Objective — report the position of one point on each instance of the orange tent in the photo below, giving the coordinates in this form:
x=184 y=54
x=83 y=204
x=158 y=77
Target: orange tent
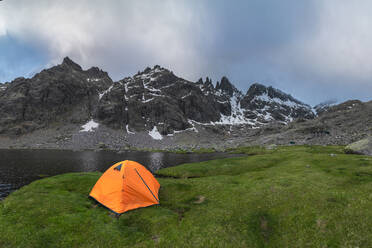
x=126 y=185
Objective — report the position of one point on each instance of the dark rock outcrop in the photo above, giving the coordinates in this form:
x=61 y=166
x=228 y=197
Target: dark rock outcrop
x=63 y=93
x=226 y=87
x=156 y=97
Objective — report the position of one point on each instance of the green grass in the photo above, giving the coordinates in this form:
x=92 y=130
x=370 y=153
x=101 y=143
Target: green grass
x=295 y=196
x=249 y=150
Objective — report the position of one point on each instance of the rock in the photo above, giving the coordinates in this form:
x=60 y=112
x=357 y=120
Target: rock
x=200 y=199
x=102 y=145
x=363 y=147
x=226 y=87
x=271 y=147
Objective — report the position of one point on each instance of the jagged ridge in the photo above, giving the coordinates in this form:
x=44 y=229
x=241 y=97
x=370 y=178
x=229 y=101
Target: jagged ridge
x=152 y=99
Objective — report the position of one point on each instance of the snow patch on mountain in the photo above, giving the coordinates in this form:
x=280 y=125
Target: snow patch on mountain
x=237 y=113
x=89 y=126
x=154 y=133
x=100 y=95
x=266 y=98
x=323 y=106
x=93 y=79
x=127 y=128
x=148 y=100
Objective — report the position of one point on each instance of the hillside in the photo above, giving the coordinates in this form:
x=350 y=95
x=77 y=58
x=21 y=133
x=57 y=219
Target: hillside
x=339 y=125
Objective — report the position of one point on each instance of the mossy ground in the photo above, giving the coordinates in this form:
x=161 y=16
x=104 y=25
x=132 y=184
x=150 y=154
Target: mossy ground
x=299 y=196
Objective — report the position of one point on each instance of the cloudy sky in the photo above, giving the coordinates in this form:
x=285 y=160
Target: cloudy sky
x=315 y=50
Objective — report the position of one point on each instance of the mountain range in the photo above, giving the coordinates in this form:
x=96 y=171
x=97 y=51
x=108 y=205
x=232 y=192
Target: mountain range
x=154 y=100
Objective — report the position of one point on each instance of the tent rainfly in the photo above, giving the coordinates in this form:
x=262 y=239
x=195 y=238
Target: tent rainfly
x=125 y=186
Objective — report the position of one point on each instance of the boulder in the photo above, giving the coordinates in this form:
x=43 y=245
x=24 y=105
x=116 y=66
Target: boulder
x=363 y=147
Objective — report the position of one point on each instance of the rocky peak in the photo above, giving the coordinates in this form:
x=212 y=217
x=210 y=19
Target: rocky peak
x=226 y=87
x=208 y=80
x=266 y=93
x=276 y=93
x=96 y=72
x=256 y=90
x=151 y=71
x=62 y=94
x=324 y=106
x=208 y=83
x=271 y=103
x=206 y=86
x=147 y=70
x=67 y=62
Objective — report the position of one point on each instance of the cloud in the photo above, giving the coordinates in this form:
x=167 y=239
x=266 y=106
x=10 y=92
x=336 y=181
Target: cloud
x=2 y=28
x=334 y=60
x=315 y=50
x=341 y=45
x=120 y=36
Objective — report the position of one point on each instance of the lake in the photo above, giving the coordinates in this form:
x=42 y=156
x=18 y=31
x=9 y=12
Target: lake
x=20 y=167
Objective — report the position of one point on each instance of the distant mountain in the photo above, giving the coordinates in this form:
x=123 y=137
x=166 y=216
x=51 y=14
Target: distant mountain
x=152 y=100
x=339 y=124
x=324 y=106
x=270 y=104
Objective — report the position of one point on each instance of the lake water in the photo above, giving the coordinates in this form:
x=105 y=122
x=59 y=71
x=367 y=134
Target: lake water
x=20 y=167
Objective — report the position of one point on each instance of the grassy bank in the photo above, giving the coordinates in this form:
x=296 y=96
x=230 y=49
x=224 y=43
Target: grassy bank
x=298 y=196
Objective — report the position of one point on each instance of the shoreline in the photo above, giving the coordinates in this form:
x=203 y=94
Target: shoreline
x=9 y=182
x=209 y=138
x=70 y=137
x=200 y=151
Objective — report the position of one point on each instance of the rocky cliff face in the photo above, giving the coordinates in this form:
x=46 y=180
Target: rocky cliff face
x=267 y=104
x=156 y=97
x=64 y=93
x=153 y=100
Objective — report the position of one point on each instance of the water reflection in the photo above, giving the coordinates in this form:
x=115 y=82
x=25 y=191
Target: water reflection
x=156 y=161
x=20 y=167
x=88 y=161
